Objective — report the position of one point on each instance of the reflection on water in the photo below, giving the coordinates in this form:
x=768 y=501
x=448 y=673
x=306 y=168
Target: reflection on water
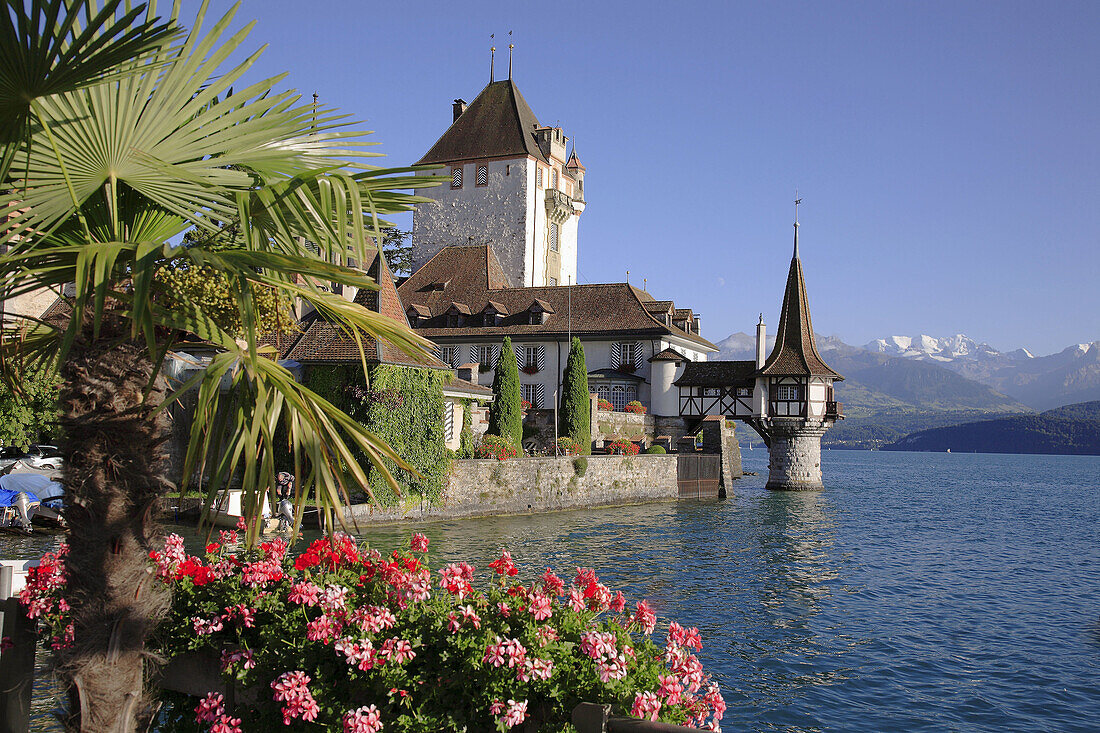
x=917 y=592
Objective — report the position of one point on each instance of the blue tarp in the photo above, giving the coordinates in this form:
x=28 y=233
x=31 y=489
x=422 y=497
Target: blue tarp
x=34 y=484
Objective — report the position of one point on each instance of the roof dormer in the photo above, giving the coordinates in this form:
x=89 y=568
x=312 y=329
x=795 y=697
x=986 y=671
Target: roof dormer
x=539 y=312
x=493 y=313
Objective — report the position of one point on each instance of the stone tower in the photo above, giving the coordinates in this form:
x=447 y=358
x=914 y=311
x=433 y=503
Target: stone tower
x=796 y=387
x=510 y=185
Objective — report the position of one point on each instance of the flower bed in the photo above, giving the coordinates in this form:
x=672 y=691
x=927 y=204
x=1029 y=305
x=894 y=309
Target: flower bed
x=494 y=446
x=622 y=448
x=568 y=447
x=344 y=638
x=604 y=405
x=635 y=406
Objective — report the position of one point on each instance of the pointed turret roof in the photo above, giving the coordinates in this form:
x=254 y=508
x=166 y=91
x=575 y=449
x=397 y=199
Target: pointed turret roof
x=795 y=353
x=573 y=161
x=498 y=123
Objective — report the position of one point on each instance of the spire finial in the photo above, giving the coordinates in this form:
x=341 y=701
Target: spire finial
x=510 y=47
x=797 y=201
x=492 y=59
x=761 y=323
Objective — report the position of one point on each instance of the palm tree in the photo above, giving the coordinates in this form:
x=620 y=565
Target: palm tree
x=119 y=133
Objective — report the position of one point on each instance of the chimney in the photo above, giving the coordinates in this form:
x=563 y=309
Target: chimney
x=458 y=108
x=761 y=341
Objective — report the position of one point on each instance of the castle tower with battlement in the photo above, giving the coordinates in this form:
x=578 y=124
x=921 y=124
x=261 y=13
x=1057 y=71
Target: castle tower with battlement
x=512 y=184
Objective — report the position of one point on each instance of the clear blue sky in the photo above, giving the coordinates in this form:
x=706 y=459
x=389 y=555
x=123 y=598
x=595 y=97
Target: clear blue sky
x=947 y=154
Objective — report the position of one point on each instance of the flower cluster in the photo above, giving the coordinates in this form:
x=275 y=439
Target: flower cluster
x=342 y=637
x=603 y=404
x=493 y=446
x=524 y=405
x=622 y=447
x=41 y=597
x=568 y=447
x=635 y=406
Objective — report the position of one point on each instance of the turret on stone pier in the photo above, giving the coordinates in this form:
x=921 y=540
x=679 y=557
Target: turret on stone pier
x=798 y=387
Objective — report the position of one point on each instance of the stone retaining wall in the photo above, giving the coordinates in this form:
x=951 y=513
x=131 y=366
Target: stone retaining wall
x=521 y=485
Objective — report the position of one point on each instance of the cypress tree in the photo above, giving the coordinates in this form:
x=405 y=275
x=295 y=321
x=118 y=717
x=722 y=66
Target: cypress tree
x=576 y=410
x=505 y=415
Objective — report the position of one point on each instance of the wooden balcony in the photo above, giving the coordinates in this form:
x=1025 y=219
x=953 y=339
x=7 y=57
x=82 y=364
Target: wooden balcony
x=834 y=410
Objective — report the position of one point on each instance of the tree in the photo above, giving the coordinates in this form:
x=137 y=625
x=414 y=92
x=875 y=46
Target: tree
x=576 y=406
x=29 y=414
x=398 y=250
x=126 y=133
x=505 y=414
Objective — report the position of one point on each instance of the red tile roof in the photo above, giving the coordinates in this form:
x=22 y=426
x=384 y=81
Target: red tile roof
x=614 y=308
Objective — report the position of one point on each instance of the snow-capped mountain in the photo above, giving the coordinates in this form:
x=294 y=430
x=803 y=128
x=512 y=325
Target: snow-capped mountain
x=944 y=349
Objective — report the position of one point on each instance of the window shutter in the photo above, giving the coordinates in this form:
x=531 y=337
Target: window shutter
x=539 y=354
x=473 y=355
x=449 y=421
x=616 y=355
x=638 y=354
x=538 y=401
x=496 y=356
x=519 y=354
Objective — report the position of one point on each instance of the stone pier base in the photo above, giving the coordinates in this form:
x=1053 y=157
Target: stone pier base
x=795 y=454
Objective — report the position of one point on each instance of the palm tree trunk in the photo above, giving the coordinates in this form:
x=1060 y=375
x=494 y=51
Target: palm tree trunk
x=114 y=472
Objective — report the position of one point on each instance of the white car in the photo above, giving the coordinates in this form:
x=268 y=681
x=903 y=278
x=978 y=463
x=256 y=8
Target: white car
x=43 y=457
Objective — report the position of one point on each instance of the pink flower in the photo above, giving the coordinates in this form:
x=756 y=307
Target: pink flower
x=469 y=614
x=494 y=654
x=322 y=629
x=366 y=719
x=576 y=600
x=671 y=689
x=515 y=714
x=515 y=651
x=228 y=537
x=496 y=708
x=714 y=699
x=546 y=634
x=552 y=583
x=241 y=655
x=260 y=573
x=540 y=607
x=504 y=610
x=241 y=615
x=456 y=579
x=585 y=577
x=397 y=651
x=538 y=668
x=645 y=618
x=210 y=708
x=373 y=618
x=419 y=543
x=5 y=644
x=203 y=627
x=304 y=593
x=333 y=598
x=646 y=705
x=291 y=689
x=226 y=724
x=242 y=525
x=619 y=603
x=358 y=653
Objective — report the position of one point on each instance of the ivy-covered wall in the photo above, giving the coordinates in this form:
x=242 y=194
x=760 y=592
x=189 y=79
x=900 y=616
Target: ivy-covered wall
x=404 y=407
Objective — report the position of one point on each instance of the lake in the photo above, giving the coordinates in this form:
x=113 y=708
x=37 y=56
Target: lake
x=917 y=592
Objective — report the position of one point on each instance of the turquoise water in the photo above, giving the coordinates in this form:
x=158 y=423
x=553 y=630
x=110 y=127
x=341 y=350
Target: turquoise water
x=917 y=592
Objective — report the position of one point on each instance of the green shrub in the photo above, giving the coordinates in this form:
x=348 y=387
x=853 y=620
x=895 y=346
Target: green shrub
x=576 y=407
x=580 y=465
x=505 y=414
x=656 y=450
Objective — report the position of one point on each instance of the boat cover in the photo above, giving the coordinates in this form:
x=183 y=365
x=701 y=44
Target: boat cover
x=42 y=487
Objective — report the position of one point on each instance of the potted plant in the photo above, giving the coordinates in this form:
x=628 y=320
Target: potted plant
x=622 y=447
x=636 y=407
x=603 y=404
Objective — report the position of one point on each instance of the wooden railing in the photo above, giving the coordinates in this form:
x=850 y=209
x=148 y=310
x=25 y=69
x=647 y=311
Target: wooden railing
x=834 y=410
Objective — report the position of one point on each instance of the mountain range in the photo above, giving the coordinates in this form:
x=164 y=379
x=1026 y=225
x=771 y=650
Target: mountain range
x=1037 y=382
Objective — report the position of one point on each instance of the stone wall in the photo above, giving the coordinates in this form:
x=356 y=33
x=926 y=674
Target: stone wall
x=521 y=485
x=611 y=425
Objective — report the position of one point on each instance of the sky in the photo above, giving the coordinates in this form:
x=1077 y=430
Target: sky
x=947 y=154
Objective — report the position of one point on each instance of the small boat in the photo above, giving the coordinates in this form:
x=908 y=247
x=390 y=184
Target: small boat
x=228 y=511
x=43 y=504
x=17 y=509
